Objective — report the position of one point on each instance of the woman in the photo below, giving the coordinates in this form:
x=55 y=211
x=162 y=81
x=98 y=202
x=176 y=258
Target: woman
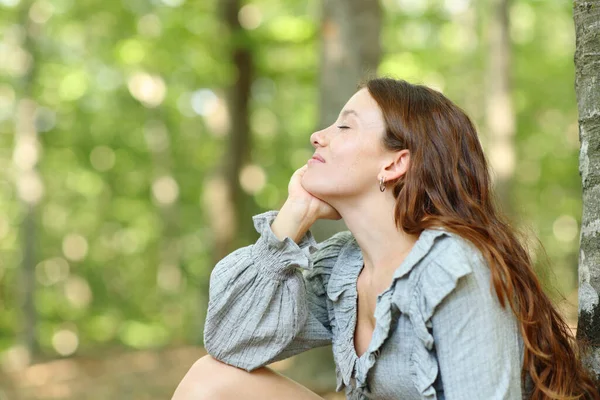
x=428 y=295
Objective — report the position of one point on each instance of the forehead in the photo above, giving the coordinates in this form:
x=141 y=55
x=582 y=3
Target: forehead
x=366 y=108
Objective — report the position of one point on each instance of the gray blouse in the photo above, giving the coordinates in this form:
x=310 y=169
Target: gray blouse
x=440 y=331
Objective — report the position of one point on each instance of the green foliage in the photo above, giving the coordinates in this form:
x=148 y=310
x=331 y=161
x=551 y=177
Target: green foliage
x=131 y=121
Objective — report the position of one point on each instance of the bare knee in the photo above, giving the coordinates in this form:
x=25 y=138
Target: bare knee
x=211 y=379
x=208 y=378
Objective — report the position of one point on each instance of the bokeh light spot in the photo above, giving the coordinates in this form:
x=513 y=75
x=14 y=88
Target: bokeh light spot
x=168 y=277
x=565 y=228
x=250 y=16
x=131 y=52
x=41 y=11
x=52 y=271
x=149 y=25
x=75 y=247
x=102 y=158
x=252 y=178
x=78 y=292
x=204 y=102
x=149 y=89
x=165 y=190
x=73 y=86
x=65 y=342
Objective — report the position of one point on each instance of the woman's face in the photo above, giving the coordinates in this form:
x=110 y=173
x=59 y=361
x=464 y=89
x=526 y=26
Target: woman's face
x=352 y=151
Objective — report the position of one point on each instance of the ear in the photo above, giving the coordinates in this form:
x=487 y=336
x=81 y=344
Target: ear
x=396 y=166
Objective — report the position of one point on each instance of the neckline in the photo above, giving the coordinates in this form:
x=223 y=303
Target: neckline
x=342 y=286
x=378 y=300
x=417 y=251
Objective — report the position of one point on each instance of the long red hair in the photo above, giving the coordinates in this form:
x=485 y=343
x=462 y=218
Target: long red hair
x=448 y=185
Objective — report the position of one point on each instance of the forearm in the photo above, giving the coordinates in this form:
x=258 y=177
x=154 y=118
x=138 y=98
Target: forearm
x=292 y=221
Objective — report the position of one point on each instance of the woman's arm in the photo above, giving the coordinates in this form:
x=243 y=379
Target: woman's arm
x=267 y=301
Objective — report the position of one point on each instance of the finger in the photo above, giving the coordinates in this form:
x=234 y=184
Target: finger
x=302 y=169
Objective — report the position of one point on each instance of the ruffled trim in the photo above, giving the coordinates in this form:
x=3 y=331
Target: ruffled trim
x=278 y=258
x=344 y=272
x=342 y=291
x=383 y=312
x=323 y=261
x=354 y=394
x=319 y=276
x=433 y=285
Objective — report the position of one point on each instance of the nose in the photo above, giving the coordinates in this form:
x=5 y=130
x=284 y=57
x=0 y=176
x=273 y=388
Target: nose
x=317 y=138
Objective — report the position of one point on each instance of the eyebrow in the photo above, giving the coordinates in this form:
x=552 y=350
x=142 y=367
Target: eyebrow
x=346 y=112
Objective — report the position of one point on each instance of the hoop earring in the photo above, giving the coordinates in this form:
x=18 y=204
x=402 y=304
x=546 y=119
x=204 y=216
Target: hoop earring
x=381 y=184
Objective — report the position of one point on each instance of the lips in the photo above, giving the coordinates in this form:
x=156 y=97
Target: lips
x=318 y=157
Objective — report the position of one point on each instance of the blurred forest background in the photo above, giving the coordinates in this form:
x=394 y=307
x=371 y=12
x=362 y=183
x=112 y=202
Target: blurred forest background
x=138 y=138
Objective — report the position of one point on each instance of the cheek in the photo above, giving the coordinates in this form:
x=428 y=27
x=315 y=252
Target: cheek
x=360 y=156
x=354 y=159
x=364 y=167
x=345 y=149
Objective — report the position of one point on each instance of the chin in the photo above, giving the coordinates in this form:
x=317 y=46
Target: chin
x=313 y=187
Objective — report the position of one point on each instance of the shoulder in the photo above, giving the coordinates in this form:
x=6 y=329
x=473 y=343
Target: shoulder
x=452 y=261
x=451 y=247
x=452 y=255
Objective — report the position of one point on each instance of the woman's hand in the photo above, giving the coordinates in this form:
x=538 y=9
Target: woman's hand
x=304 y=200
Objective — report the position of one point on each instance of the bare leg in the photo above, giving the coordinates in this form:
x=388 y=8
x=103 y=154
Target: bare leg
x=211 y=379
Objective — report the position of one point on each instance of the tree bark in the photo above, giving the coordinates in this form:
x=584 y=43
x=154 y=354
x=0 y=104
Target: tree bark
x=350 y=52
x=587 y=87
x=499 y=110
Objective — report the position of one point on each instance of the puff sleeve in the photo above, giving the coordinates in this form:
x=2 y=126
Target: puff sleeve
x=267 y=301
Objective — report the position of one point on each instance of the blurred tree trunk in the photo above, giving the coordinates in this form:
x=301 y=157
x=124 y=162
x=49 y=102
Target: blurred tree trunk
x=350 y=52
x=499 y=111
x=225 y=202
x=587 y=87
x=27 y=151
x=228 y=207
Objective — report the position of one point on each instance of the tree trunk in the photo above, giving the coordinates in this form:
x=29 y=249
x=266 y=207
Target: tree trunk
x=350 y=52
x=499 y=111
x=228 y=207
x=27 y=152
x=239 y=141
x=587 y=87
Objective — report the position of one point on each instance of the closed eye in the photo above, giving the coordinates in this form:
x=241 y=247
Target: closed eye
x=343 y=127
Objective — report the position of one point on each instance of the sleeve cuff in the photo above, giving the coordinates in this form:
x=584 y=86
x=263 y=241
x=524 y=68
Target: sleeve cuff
x=279 y=258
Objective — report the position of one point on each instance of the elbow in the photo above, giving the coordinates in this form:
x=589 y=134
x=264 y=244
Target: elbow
x=226 y=349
